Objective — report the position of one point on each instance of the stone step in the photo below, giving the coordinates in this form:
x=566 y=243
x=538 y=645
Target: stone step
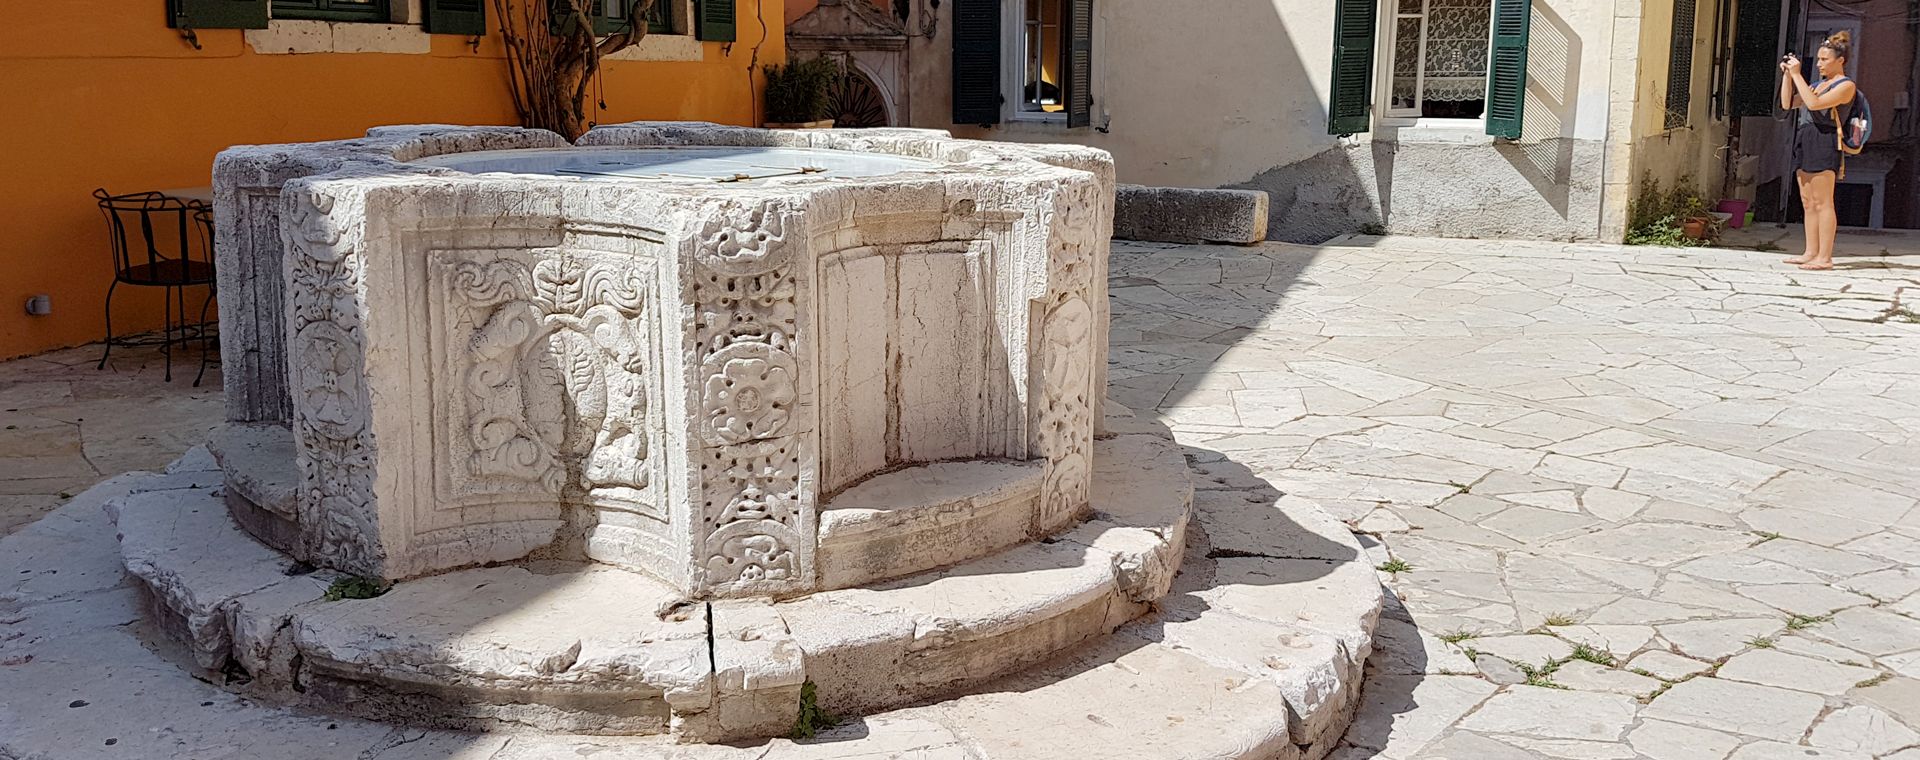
x=925 y=517
x=261 y=479
x=1255 y=650
x=585 y=648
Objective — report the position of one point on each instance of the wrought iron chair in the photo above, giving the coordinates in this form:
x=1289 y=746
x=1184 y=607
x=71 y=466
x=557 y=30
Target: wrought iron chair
x=165 y=242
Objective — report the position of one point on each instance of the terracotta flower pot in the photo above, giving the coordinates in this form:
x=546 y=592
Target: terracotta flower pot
x=1694 y=229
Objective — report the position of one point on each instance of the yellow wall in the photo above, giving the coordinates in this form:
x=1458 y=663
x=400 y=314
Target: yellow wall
x=1669 y=154
x=100 y=93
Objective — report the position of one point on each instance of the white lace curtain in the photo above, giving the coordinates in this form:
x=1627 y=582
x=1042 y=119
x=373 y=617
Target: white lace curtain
x=1455 y=66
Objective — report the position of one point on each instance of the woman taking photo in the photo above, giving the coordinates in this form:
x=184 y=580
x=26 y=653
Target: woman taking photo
x=1816 y=150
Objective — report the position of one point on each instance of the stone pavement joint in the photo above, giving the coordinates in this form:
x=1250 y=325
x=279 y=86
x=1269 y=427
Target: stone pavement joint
x=1642 y=503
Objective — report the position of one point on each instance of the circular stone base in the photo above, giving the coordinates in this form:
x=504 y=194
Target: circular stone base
x=1255 y=652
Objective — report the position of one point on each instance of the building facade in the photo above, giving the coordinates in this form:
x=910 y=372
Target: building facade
x=139 y=95
x=1531 y=119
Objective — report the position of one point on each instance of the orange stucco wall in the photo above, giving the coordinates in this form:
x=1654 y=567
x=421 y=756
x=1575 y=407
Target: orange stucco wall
x=100 y=93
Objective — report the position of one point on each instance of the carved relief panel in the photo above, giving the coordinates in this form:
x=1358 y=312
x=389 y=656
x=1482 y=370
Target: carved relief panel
x=749 y=405
x=1068 y=396
x=327 y=374
x=550 y=361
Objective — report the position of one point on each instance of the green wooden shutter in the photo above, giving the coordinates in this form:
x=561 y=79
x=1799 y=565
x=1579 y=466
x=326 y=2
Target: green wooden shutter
x=608 y=16
x=1756 y=56
x=1350 y=104
x=560 y=18
x=217 y=14
x=1680 y=66
x=1079 y=69
x=467 y=17
x=713 y=20
x=976 y=61
x=1507 y=70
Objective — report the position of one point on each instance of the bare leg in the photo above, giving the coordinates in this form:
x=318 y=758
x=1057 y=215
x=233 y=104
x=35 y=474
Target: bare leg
x=1807 y=223
x=1821 y=187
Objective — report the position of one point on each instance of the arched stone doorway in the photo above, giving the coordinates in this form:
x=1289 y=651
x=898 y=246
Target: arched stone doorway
x=859 y=101
x=871 y=47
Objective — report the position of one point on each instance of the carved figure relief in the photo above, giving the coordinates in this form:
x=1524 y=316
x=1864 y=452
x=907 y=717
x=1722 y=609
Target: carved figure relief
x=753 y=512
x=1064 y=433
x=1074 y=235
x=552 y=360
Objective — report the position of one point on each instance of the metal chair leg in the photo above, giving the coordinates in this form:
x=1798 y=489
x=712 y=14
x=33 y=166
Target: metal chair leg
x=166 y=343
x=109 y=349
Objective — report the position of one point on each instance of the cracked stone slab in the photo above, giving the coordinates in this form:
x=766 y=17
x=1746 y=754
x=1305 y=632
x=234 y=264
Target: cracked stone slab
x=1554 y=714
x=1746 y=709
x=1586 y=676
x=1772 y=668
x=183 y=546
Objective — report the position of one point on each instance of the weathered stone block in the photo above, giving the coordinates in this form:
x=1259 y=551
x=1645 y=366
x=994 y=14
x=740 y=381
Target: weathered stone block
x=1189 y=215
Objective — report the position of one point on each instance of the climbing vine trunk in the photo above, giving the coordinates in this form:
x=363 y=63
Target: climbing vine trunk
x=553 y=56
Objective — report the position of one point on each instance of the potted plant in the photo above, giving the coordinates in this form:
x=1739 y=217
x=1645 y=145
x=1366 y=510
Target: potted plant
x=799 y=94
x=1696 y=222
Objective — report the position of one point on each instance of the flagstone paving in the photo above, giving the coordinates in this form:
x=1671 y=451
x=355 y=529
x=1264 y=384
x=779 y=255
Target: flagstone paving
x=1631 y=503
x=65 y=425
x=1640 y=503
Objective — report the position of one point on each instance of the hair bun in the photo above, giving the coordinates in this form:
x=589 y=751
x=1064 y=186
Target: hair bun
x=1841 y=37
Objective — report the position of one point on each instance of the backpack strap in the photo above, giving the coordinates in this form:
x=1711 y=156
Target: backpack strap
x=1839 y=126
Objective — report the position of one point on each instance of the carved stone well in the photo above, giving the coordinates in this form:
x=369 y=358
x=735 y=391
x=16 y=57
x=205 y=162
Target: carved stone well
x=653 y=429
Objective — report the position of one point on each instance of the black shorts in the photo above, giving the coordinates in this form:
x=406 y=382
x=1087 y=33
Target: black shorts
x=1815 y=149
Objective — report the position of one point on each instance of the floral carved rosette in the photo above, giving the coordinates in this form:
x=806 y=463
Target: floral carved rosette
x=749 y=393
x=331 y=403
x=756 y=517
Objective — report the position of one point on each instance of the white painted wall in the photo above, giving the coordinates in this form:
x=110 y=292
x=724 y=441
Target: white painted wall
x=1210 y=92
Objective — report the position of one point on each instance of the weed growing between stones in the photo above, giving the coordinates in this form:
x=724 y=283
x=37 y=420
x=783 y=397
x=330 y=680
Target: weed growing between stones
x=1803 y=622
x=1559 y=619
x=1458 y=636
x=355 y=587
x=1760 y=642
x=1394 y=567
x=811 y=720
x=1589 y=654
x=1541 y=676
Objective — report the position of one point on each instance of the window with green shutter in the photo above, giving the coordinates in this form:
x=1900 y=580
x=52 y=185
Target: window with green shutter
x=332 y=10
x=610 y=16
x=1680 y=66
x=1756 y=57
x=976 y=62
x=217 y=14
x=1079 y=68
x=1507 y=69
x=1350 y=104
x=467 y=17
x=713 y=20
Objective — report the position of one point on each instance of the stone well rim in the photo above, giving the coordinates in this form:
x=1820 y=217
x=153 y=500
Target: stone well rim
x=717 y=166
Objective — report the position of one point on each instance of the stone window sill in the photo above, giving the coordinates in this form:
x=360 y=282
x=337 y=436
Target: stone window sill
x=1466 y=133
x=300 y=36
x=295 y=37
x=663 y=47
